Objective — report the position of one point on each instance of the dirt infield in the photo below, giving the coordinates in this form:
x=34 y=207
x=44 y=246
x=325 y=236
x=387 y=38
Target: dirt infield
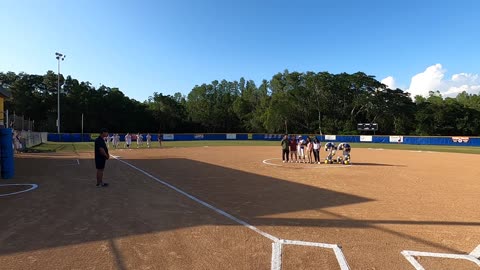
x=386 y=202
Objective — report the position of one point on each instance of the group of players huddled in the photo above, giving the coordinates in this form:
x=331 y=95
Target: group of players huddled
x=307 y=150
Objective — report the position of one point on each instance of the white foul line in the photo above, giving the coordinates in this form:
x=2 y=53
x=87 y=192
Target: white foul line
x=221 y=212
x=33 y=186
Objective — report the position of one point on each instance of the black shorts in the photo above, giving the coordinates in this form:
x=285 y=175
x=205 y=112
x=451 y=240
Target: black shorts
x=100 y=163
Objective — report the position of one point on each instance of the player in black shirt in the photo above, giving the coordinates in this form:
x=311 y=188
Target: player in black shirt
x=101 y=156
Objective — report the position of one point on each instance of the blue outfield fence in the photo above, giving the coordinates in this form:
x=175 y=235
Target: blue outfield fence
x=68 y=137
x=453 y=141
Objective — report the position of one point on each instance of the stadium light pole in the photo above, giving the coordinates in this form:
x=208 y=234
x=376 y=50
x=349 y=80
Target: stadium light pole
x=59 y=57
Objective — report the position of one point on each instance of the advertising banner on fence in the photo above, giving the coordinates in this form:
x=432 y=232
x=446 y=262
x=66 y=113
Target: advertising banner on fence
x=330 y=137
x=231 y=136
x=198 y=136
x=273 y=136
x=168 y=137
x=396 y=139
x=366 y=138
x=460 y=139
x=250 y=136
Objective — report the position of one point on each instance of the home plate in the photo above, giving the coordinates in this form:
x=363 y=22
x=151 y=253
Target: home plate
x=476 y=252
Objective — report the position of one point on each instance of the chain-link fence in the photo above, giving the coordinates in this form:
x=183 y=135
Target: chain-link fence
x=26 y=139
x=23 y=131
x=18 y=122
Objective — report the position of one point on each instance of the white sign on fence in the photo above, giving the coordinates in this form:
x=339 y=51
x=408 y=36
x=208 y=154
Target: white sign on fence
x=231 y=136
x=460 y=139
x=168 y=137
x=366 y=138
x=396 y=139
x=330 y=137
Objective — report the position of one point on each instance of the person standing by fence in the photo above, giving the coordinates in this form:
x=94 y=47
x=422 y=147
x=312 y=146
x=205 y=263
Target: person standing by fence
x=285 y=146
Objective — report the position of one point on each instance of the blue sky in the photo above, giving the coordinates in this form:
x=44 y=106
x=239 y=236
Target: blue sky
x=170 y=46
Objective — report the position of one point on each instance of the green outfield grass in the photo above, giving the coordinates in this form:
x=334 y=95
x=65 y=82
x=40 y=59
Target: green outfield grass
x=88 y=146
x=63 y=147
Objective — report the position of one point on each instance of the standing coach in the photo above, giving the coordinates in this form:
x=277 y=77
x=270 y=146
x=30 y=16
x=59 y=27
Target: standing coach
x=101 y=156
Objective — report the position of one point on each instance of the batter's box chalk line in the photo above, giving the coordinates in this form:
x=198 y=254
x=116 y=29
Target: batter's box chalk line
x=277 y=248
x=410 y=256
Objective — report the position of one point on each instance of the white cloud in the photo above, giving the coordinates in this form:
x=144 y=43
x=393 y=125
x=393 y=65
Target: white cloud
x=390 y=82
x=432 y=79
x=429 y=80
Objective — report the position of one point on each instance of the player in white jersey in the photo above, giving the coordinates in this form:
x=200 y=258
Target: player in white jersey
x=331 y=149
x=114 y=140
x=139 y=140
x=149 y=139
x=345 y=158
x=301 y=149
x=107 y=141
x=117 y=139
x=128 y=140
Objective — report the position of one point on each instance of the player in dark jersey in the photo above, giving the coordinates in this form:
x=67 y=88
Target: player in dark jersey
x=101 y=156
x=331 y=149
x=345 y=158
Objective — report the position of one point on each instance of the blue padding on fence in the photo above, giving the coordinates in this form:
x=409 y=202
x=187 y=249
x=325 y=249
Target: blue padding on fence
x=348 y=138
x=242 y=136
x=52 y=137
x=68 y=137
x=184 y=137
x=212 y=137
x=267 y=137
x=453 y=141
x=381 y=139
x=340 y=138
x=7 y=161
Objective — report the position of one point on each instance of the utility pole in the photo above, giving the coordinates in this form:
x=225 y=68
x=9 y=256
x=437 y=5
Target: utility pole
x=60 y=57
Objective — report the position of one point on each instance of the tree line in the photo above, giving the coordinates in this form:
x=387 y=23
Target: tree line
x=290 y=102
